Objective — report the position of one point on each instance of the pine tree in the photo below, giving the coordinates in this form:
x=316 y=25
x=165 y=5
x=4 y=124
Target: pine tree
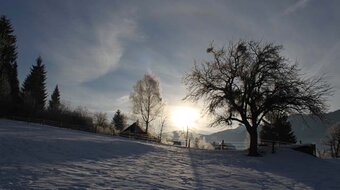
x=54 y=103
x=119 y=121
x=14 y=82
x=278 y=130
x=34 y=88
x=9 y=84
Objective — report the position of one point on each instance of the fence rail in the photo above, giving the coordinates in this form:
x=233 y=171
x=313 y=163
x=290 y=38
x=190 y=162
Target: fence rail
x=143 y=137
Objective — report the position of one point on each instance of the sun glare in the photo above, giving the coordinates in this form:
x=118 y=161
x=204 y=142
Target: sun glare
x=184 y=116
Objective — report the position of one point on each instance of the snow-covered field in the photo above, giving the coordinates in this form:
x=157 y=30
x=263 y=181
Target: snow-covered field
x=33 y=156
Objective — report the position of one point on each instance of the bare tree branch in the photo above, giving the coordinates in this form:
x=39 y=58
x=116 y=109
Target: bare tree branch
x=250 y=79
x=146 y=99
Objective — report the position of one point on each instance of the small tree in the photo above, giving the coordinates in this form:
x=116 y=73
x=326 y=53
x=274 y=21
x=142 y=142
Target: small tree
x=196 y=142
x=146 y=99
x=54 y=103
x=249 y=80
x=278 y=130
x=163 y=121
x=100 y=120
x=333 y=140
x=119 y=121
x=34 y=88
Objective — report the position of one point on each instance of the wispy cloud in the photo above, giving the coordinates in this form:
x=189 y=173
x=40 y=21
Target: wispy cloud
x=299 y=4
x=80 y=58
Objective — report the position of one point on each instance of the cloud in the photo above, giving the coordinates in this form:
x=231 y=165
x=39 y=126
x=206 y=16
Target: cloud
x=97 y=51
x=90 y=98
x=295 y=7
x=123 y=99
x=329 y=60
x=81 y=58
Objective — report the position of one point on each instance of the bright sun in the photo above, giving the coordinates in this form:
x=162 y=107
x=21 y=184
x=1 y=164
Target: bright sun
x=184 y=116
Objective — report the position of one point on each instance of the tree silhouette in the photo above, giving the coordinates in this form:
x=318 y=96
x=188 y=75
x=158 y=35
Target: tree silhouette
x=14 y=83
x=54 y=103
x=100 y=120
x=333 y=140
x=249 y=80
x=146 y=99
x=119 y=120
x=278 y=129
x=162 y=122
x=34 y=88
x=9 y=84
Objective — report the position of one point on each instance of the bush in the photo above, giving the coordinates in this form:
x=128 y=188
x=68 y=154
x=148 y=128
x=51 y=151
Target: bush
x=333 y=140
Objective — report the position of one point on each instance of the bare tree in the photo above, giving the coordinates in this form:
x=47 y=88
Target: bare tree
x=249 y=80
x=163 y=121
x=100 y=120
x=146 y=99
x=333 y=140
x=196 y=142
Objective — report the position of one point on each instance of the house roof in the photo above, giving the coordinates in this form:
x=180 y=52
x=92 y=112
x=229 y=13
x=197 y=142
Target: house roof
x=134 y=128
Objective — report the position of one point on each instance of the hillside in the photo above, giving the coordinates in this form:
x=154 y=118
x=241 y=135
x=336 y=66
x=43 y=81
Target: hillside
x=42 y=157
x=237 y=137
x=308 y=129
x=312 y=129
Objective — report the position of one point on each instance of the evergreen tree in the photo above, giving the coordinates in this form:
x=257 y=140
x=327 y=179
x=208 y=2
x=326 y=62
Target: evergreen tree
x=119 y=121
x=278 y=130
x=54 y=103
x=9 y=84
x=14 y=82
x=34 y=88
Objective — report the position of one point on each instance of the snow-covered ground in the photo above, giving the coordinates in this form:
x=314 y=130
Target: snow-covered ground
x=33 y=156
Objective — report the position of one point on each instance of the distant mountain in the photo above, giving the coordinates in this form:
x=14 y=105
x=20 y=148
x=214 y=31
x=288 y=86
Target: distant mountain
x=311 y=129
x=238 y=134
x=307 y=128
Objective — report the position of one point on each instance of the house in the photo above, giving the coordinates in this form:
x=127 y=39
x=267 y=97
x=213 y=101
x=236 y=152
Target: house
x=177 y=143
x=135 y=131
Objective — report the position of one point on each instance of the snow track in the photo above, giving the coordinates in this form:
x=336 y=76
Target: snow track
x=34 y=156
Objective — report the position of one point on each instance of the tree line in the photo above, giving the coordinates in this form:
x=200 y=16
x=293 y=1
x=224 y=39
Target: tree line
x=30 y=101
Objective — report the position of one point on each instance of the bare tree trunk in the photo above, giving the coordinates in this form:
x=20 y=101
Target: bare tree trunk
x=161 y=131
x=146 y=126
x=332 y=151
x=253 y=142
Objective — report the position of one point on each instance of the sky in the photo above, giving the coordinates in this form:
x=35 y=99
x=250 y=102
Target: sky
x=96 y=50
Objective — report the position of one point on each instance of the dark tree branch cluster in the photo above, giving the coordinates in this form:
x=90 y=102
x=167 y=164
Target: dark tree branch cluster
x=251 y=79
